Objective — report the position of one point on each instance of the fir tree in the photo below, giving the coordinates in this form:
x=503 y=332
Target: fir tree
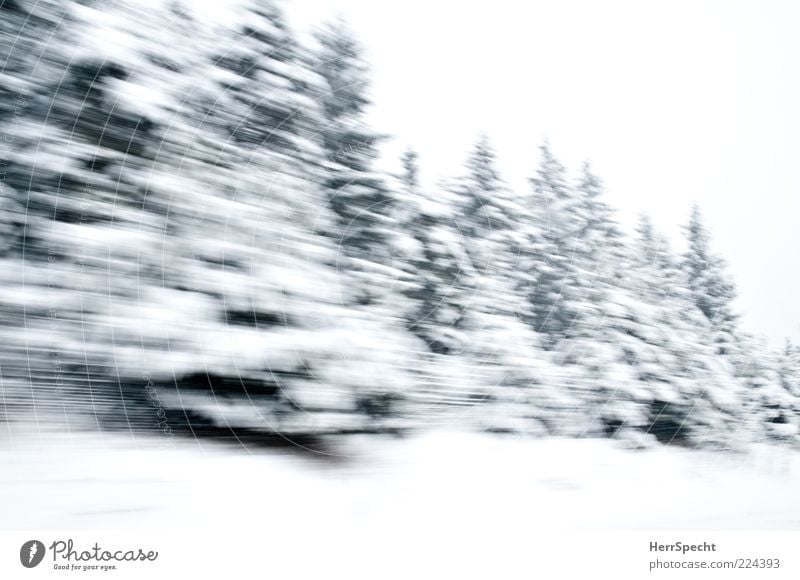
x=356 y=192
x=556 y=213
x=712 y=290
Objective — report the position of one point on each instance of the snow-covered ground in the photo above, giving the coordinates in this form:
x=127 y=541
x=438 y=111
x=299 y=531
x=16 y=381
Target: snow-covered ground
x=453 y=481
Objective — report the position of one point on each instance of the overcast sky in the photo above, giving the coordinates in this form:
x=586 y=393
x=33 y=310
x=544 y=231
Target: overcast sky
x=673 y=102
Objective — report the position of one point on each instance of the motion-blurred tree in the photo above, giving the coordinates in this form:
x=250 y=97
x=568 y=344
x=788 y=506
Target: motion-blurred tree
x=356 y=191
x=558 y=214
x=712 y=289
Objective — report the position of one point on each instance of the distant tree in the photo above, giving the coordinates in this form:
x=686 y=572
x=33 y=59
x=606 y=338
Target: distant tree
x=789 y=368
x=653 y=253
x=712 y=289
x=443 y=275
x=410 y=163
x=561 y=218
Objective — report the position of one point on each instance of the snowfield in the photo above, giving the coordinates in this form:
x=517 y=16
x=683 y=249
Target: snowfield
x=440 y=482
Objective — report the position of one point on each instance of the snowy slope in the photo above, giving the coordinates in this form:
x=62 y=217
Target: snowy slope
x=451 y=481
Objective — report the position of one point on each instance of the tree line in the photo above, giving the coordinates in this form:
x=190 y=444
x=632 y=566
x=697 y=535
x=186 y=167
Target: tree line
x=199 y=203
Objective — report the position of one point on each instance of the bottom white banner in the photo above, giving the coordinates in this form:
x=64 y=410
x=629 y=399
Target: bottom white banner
x=264 y=552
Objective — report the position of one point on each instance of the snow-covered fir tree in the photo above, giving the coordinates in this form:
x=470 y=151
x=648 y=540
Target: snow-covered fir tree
x=356 y=191
x=557 y=214
x=712 y=289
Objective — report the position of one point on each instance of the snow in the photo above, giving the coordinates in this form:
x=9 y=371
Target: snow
x=450 y=480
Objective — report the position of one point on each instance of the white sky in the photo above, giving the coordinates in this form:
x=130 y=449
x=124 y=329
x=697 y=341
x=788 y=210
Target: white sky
x=673 y=101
